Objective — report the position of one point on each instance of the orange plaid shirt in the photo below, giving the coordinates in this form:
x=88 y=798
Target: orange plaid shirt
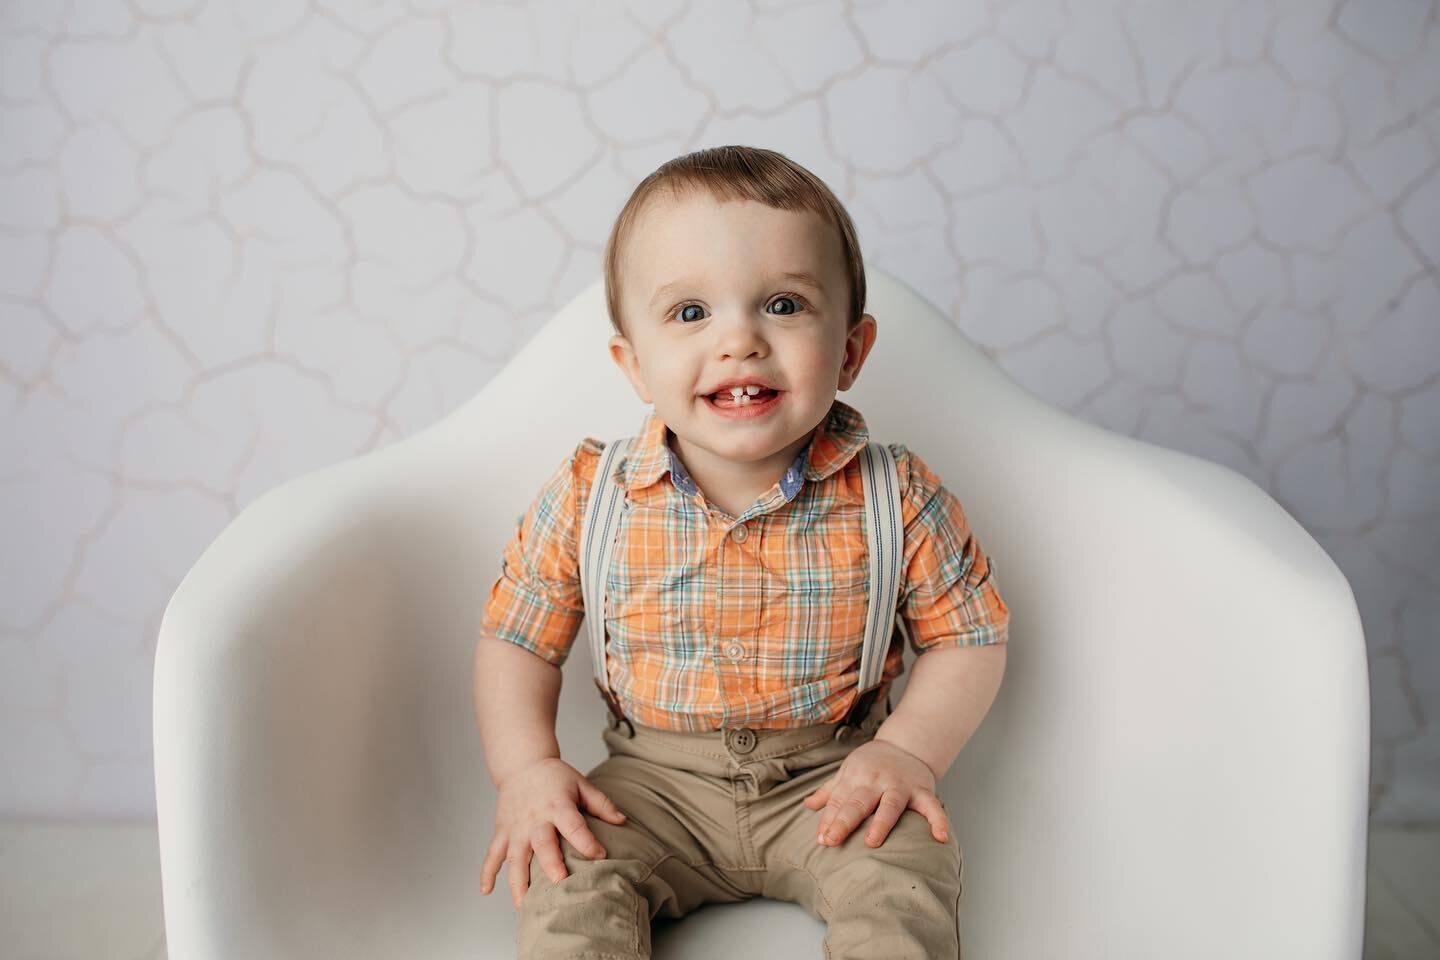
x=756 y=620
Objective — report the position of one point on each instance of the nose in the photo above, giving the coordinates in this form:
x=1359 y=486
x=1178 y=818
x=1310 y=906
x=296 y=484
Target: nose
x=739 y=336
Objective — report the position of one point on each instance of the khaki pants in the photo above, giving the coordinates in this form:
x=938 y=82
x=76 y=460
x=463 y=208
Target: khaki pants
x=717 y=817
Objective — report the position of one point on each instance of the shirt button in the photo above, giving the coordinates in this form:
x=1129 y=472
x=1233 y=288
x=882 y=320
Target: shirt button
x=735 y=650
x=739 y=534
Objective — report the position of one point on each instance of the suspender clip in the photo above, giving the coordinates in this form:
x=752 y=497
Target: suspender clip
x=617 y=719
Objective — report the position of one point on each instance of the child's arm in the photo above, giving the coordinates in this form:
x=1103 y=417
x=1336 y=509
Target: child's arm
x=959 y=628
x=516 y=697
x=958 y=625
x=530 y=622
x=539 y=797
x=949 y=692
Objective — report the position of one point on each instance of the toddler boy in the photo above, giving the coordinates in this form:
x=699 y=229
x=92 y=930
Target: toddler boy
x=742 y=761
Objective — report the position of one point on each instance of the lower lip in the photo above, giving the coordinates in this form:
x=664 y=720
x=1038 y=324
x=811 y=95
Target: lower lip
x=746 y=411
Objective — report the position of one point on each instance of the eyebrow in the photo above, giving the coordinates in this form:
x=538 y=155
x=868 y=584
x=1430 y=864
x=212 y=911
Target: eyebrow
x=793 y=276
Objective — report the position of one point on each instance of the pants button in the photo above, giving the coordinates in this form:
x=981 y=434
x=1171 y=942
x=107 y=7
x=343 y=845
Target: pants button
x=742 y=740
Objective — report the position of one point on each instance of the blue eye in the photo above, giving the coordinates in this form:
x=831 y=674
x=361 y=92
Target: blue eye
x=789 y=306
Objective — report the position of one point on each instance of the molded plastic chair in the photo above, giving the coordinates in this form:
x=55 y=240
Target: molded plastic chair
x=1176 y=764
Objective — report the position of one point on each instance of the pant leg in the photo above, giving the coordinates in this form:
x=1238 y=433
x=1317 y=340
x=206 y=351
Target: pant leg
x=898 y=900
x=653 y=867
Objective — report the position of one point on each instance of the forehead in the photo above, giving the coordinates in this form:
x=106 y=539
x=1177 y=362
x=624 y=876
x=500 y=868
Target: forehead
x=697 y=236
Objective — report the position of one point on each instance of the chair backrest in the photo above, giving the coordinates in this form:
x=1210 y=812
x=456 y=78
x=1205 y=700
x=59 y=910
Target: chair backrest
x=1176 y=763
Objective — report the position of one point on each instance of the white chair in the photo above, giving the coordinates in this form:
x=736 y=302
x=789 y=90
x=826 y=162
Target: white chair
x=1176 y=765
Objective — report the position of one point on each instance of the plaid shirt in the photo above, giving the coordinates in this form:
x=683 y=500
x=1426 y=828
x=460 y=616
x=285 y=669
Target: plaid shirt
x=755 y=620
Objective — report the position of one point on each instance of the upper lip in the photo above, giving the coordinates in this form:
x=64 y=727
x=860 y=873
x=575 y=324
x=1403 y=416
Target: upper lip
x=739 y=382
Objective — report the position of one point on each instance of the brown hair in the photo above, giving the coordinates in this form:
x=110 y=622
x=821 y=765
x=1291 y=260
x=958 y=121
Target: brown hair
x=738 y=173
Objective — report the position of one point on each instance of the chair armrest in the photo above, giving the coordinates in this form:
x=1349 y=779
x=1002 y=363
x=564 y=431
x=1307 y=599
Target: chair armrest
x=247 y=742
x=317 y=767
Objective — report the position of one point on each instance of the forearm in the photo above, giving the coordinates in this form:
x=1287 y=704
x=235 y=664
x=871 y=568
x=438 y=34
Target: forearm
x=516 y=698
x=948 y=693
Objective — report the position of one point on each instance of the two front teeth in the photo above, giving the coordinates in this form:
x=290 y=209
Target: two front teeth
x=743 y=394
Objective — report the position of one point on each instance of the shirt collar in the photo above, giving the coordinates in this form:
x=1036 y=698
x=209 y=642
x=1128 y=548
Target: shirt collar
x=841 y=435
x=833 y=443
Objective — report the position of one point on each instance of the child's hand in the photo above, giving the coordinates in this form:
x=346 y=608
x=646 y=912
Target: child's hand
x=877 y=772
x=533 y=804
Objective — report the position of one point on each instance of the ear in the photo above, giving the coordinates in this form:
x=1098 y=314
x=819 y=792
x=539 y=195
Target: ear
x=857 y=347
x=623 y=353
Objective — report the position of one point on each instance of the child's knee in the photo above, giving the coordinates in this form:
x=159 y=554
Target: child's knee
x=902 y=906
x=629 y=852
x=585 y=874
x=911 y=864
x=596 y=909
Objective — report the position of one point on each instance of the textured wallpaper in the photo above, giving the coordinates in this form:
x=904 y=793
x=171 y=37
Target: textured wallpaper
x=240 y=241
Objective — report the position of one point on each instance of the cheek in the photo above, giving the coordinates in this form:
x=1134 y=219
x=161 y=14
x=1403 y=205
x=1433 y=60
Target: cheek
x=816 y=348
x=816 y=363
x=671 y=379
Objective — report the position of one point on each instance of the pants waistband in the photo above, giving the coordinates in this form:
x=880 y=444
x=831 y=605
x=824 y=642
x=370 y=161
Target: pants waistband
x=742 y=742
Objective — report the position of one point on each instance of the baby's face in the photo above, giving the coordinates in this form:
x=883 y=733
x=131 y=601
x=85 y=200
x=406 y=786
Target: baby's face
x=718 y=291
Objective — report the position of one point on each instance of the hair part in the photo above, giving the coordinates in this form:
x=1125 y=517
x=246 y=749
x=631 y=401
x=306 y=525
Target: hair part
x=737 y=173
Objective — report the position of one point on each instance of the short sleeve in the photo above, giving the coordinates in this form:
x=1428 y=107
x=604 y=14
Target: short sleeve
x=535 y=601
x=948 y=595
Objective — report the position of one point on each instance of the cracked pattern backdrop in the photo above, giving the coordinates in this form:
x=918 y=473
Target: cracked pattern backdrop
x=240 y=241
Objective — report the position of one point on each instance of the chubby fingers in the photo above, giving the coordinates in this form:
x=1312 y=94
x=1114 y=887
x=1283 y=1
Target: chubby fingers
x=933 y=810
x=572 y=824
x=892 y=804
x=843 y=813
x=599 y=803
x=494 y=857
x=547 y=850
x=816 y=799
x=517 y=871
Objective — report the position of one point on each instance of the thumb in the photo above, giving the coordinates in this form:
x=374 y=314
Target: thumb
x=595 y=801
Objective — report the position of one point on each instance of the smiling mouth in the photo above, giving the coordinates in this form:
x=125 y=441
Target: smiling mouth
x=726 y=399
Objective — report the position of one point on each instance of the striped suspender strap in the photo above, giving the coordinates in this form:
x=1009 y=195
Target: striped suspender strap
x=884 y=534
x=597 y=546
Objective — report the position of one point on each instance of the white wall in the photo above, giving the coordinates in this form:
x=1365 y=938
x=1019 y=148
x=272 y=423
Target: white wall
x=239 y=241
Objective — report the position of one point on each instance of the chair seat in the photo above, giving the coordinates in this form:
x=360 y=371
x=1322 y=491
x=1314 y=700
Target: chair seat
x=716 y=931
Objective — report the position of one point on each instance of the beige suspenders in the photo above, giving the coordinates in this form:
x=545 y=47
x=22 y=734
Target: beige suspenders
x=597 y=546
x=884 y=535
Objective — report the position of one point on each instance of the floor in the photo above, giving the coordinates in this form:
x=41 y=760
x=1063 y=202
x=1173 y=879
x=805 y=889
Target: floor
x=109 y=875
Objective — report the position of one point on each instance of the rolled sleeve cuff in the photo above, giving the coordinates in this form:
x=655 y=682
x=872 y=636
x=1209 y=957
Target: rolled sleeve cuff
x=532 y=621
x=961 y=617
